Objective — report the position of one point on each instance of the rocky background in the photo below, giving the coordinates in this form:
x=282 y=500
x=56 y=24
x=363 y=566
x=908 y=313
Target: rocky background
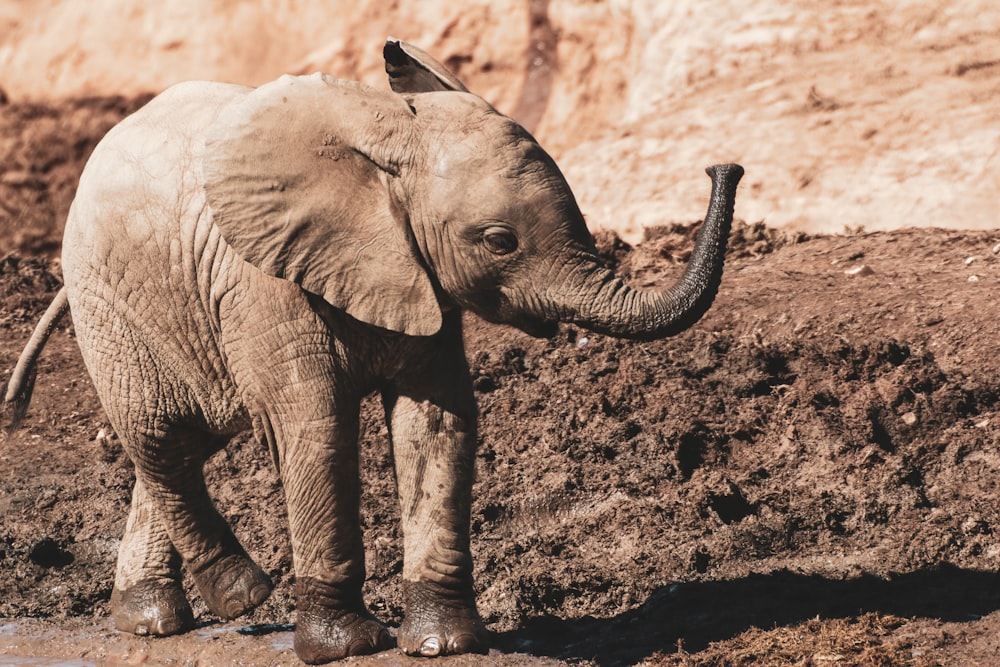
x=860 y=113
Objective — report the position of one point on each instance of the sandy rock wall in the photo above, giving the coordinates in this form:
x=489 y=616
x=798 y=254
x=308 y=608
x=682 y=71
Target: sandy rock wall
x=867 y=113
x=66 y=49
x=864 y=114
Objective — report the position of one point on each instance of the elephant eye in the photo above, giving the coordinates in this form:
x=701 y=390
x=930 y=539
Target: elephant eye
x=500 y=241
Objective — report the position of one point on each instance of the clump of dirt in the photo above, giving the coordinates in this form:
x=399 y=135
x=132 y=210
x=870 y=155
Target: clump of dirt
x=25 y=276
x=808 y=475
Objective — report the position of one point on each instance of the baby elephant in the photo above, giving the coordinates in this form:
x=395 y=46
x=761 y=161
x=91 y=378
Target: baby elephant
x=264 y=258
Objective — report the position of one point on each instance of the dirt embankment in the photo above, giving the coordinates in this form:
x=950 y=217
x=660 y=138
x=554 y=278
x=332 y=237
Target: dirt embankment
x=811 y=471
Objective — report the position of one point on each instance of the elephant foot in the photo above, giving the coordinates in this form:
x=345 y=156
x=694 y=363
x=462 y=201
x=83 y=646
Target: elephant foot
x=437 y=623
x=327 y=635
x=232 y=585
x=331 y=623
x=152 y=608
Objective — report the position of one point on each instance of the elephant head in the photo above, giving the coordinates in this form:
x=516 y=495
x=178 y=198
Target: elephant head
x=395 y=206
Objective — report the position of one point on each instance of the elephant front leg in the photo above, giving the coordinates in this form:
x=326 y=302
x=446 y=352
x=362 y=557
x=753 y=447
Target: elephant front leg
x=434 y=443
x=320 y=474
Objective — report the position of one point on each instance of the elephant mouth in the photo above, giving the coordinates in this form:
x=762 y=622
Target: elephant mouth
x=539 y=328
x=532 y=321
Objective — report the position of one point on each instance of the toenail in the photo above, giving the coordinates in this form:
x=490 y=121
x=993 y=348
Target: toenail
x=234 y=608
x=464 y=643
x=431 y=647
x=259 y=593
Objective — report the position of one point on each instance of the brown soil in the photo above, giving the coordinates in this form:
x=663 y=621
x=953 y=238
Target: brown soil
x=809 y=476
x=43 y=148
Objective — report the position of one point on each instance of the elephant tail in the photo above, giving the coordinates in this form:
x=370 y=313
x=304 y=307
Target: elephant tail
x=15 y=394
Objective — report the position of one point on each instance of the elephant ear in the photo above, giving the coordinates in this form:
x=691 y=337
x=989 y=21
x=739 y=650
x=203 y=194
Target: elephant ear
x=298 y=177
x=413 y=70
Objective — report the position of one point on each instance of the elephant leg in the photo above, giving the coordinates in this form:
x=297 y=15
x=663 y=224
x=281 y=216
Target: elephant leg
x=148 y=598
x=227 y=578
x=434 y=439
x=319 y=469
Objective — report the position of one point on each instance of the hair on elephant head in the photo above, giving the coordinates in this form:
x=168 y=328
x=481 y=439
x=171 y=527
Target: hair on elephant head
x=393 y=205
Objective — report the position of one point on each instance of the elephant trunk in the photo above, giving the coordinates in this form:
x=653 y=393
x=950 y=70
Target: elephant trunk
x=611 y=307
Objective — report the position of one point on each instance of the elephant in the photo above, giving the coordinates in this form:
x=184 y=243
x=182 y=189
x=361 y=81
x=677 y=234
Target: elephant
x=262 y=259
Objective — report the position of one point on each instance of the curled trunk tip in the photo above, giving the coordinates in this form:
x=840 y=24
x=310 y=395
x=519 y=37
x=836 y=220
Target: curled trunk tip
x=728 y=170
x=613 y=308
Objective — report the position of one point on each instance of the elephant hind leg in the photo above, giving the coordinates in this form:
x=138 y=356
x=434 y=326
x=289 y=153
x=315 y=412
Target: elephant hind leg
x=233 y=585
x=148 y=598
x=169 y=470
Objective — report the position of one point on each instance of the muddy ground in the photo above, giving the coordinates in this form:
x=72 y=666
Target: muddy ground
x=807 y=477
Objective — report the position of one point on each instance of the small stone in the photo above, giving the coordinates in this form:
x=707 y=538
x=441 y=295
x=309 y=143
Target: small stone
x=970 y=260
x=996 y=249
x=938 y=515
x=975 y=525
x=583 y=341
x=18 y=178
x=973 y=278
x=859 y=270
x=909 y=418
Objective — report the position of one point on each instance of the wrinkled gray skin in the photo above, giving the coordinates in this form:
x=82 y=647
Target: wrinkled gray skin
x=264 y=258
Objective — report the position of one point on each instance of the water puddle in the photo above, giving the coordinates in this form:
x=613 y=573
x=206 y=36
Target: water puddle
x=21 y=661
x=14 y=634
x=72 y=643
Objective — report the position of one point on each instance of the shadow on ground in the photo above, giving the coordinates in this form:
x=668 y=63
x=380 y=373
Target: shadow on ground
x=704 y=612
